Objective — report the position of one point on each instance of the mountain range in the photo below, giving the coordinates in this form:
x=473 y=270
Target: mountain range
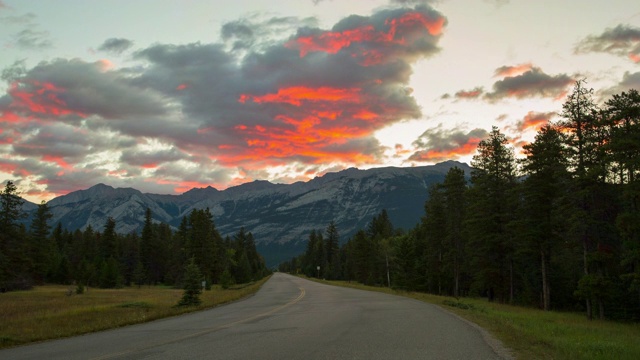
x=280 y=216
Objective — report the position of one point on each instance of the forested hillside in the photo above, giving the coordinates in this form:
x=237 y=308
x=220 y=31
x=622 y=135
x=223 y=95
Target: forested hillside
x=104 y=258
x=558 y=229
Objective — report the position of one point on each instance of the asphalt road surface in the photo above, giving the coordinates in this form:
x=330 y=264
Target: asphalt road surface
x=289 y=318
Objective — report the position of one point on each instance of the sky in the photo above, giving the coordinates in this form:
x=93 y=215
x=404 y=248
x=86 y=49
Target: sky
x=167 y=95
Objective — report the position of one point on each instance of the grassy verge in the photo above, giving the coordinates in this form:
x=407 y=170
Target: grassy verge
x=536 y=334
x=47 y=312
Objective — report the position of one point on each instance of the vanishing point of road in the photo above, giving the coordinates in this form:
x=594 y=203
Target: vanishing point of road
x=289 y=318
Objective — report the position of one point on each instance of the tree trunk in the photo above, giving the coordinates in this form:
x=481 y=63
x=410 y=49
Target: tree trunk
x=456 y=279
x=510 y=281
x=388 y=277
x=586 y=272
x=601 y=308
x=546 y=298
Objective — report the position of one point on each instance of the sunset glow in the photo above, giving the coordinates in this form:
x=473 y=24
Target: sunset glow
x=396 y=32
x=206 y=95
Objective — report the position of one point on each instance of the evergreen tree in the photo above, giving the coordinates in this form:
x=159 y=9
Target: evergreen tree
x=364 y=258
x=202 y=241
x=109 y=240
x=580 y=126
x=42 y=247
x=543 y=192
x=624 y=152
x=309 y=265
x=226 y=279
x=491 y=209
x=139 y=274
x=148 y=247
x=455 y=205
x=192 y=285
x=14 y=260
x=178 y=253
x=333 y=247
x=110 y=276
x=435 y=246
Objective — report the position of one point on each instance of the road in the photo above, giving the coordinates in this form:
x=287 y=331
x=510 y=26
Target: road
x=289 y=318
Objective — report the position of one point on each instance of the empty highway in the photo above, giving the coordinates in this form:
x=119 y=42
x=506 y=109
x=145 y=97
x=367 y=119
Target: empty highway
x=289 y=318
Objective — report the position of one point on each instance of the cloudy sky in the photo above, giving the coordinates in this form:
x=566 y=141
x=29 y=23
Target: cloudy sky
x=167 y=95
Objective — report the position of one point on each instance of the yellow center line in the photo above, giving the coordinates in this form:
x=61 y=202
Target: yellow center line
x=207 y=331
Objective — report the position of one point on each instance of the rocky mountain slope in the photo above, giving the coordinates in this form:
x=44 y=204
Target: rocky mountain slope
x=280 y=216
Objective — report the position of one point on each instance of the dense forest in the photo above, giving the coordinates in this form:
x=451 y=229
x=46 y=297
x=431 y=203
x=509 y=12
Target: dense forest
x=556 y=229
x=106 y=259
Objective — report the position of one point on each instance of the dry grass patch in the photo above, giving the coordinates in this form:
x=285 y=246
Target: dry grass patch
x=47 y=312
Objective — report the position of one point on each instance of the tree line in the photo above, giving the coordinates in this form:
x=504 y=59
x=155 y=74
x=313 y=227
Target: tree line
x=41 y=254
x=556 y=229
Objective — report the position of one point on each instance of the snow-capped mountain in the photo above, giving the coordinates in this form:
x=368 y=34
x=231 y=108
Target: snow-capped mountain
x=279 y=216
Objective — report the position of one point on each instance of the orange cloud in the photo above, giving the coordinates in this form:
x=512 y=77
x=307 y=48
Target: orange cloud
x=434 y=155
x=399 y=31
x=43 y=98
x=327 y=119
x=14 y=169
x=434 y=26
x=511 y=71
x=534 y=120
x=470 y=94
x=59 y=160
x=9 y=117
x=297 y=94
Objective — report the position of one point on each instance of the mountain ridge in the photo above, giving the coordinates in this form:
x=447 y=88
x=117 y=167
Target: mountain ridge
x=280 y=216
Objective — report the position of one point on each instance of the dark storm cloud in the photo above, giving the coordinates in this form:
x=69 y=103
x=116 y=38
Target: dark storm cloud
x=304 y=98
x=623 y=40
x=629 y=81
x=151 y=158
x=209 y=81
x=116 y=45
x=74 y=88
x=532 y=83
x=439 y=144
x=519 y=82
x=61 y=140
x=254 y=33
x=240 y=29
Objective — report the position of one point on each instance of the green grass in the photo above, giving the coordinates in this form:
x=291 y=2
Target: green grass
x=536 y=334
x=48 y=312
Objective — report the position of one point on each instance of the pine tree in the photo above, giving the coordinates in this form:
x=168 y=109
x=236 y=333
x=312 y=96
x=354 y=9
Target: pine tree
x=14 y=262
x=435 y=232
x=192 y=285
x=148 y=247
x=42 y=248
x=365 y=256
x=623 y=150
x=580 y=126
x=109 y=240
x=543 y=192
x=491 y=210
x=455 y=207
x=333 y=247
